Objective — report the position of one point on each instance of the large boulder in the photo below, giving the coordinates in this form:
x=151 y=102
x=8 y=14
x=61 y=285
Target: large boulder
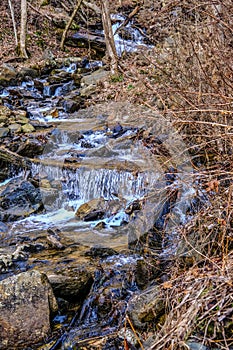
x=26 y=302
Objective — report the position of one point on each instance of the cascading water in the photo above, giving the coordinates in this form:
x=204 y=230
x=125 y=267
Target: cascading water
x=86 y=159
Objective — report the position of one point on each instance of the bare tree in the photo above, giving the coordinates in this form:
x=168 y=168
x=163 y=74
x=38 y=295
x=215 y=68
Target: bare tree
x=23 y=30
x=13 y=21
x=109 y=38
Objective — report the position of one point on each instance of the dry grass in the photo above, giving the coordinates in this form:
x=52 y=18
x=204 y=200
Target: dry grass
x=199 y=304
x=188 y=77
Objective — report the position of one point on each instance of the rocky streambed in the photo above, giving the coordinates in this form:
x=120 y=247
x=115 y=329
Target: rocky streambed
x=90 y=199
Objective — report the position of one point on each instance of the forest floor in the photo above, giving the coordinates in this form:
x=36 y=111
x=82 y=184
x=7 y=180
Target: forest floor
x=188 y=78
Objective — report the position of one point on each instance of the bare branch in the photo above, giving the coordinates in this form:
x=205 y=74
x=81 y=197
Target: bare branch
x=69 y=23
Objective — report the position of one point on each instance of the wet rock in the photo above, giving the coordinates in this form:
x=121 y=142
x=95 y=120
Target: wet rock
x=12 y=261
x=118 y=128
x=45 y=183
x=8 y=75
x=49 y=90
x=19 y=200
x=26 y=302
x=104 y=309
x=134 y=206
x=146 y=307
x=4 y=132
x=126 y=33
x=92 y=210
x=101 y=252
x=72 y=136
x=70 y=106
x=54 y=242
x=39 y=85
x=3 y=227
x=71 y=160
x=72 y=286
x=118 y=219
x=86 y=144
x=30 y=148
x=49 y=197
x=58 y=77
x=27 y=128
x=28 y=73
x=100 y=225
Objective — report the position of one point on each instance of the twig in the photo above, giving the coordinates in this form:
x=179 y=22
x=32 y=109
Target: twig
x=201 y=122
x=37 y=11
x=126 y=21
x=133 y=329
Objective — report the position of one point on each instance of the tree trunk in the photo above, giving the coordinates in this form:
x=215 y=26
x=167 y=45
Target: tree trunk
x=13 y=21
x=69 y=23
x=23 y=30
x=108 y=33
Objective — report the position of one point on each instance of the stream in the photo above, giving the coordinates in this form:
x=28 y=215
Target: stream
x=112 y=179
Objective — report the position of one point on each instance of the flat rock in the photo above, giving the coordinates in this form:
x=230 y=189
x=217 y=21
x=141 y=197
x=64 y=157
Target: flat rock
x=26 y=301
x=95 y=78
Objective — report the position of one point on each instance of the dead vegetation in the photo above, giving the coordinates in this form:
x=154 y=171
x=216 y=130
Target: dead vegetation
x=191 y=77
x=188 y=77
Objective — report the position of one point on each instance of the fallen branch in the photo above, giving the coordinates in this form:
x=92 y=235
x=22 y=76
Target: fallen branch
x=69 y=23
x=37 y=11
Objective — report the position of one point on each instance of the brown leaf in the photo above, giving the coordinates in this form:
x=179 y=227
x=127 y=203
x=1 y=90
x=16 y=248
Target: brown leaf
x=54 y=113
x=167 y=285
x=213 y=186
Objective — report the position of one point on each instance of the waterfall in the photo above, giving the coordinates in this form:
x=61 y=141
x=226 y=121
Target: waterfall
x=84 y=184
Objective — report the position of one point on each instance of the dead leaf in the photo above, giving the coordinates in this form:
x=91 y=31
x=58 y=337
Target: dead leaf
x=213 y=186
x=54 y=113
x=167 y=285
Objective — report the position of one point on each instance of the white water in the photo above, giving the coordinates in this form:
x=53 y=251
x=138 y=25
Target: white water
x=124 y=44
